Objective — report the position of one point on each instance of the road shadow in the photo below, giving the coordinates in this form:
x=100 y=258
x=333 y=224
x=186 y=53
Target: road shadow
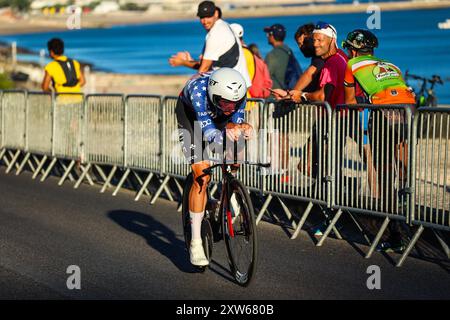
x=157 y=235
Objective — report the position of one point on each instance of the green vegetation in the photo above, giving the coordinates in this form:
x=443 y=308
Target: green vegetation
x=131 y=6
x=5 y=82
x=18 y=5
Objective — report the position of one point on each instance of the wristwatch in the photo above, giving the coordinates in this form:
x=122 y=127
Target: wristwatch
x=304 y=97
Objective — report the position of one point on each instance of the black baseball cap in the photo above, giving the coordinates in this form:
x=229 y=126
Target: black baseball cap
x=277 y=30
x=206 y=9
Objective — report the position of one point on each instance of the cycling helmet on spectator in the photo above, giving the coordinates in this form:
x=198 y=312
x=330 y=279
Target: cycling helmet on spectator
x=360 y=40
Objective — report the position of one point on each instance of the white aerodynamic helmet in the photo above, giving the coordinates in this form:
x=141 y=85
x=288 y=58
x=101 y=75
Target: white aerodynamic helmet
x=226 y=89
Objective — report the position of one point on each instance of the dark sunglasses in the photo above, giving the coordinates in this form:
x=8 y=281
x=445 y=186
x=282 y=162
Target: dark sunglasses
x=324 y=25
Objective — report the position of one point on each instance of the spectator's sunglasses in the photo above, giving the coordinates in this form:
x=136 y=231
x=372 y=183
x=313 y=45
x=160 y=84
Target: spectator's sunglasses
x=324 y=25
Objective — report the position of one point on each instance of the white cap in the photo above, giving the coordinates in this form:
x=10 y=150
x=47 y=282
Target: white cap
x=237 y=29
x=329 y=31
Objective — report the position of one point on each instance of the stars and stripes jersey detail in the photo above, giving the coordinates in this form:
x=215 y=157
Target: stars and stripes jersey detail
x=195 y=95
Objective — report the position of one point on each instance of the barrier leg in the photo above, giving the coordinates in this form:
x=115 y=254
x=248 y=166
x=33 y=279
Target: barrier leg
x=108 y=180
x=160 y=189
x=2 y=153
x=5 y=159
x=143 y=185
x=11 y=154
x=39 y=167
x=83 y=174
x=410 y=246
x=442 y=243
x=125 y=175
x=100 y=172
x=49 y=169
x=63 y=165
x=13 y=161
x=180 y=190
x=360 y=228
x=88 y=177
x=264 y=208
x=288 y=213
x=24 y=162
x=168 y=192
x=30 y=164
x=330 y=227
x=302 y=220
x=66 y=173
x=378 y=237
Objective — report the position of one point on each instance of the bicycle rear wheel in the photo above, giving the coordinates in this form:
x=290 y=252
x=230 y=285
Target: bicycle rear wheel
x=239 y=232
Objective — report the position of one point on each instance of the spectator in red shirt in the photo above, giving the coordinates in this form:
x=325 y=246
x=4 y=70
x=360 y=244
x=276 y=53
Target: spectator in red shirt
x=331 y=82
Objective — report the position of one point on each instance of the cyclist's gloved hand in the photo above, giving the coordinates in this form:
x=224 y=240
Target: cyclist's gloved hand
x=233 y=131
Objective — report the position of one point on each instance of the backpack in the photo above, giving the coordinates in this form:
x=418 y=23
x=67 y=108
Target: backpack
x=68 y=68
x=293 y=71
x=261 y=81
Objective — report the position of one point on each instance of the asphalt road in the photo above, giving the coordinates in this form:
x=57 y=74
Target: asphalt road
x=132 y=250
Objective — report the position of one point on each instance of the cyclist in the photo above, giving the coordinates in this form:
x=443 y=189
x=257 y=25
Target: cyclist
x=381 y=82
x=209 y=104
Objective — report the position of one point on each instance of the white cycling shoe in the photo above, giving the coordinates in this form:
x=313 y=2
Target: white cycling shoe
x=197 y=254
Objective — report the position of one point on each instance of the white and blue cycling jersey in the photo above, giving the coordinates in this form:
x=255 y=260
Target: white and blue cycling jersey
x=195 y=95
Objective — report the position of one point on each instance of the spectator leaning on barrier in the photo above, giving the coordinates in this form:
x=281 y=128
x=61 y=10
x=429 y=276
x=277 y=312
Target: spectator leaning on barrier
x=309 y=80
x=222 y=48
x=63 y=73
x=381 y=83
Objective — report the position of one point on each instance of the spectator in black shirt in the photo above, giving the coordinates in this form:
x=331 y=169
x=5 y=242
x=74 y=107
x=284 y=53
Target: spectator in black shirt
x=309 y=80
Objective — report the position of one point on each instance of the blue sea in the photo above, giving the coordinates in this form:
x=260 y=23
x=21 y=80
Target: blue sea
x=410 y=39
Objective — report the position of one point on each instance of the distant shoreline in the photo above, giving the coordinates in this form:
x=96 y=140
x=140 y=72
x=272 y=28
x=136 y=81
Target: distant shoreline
x=41 y=24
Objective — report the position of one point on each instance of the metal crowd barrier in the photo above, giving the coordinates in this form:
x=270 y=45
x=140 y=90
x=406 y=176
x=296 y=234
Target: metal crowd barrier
x=173 y=163
x=363 y=159
x=248 y=174
x=13 y=106
x=371 y=159
x=39 y=127
x=370 y=164
x=430 y=163
x=68 y=126
x=14 y=119
x=105 y=124
x=299 y=156
x=105 y=136
x=142 y=138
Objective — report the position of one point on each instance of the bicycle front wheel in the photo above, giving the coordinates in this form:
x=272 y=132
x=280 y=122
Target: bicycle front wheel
x=239 y=232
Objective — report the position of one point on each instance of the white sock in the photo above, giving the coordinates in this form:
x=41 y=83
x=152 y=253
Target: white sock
x=196 y=224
